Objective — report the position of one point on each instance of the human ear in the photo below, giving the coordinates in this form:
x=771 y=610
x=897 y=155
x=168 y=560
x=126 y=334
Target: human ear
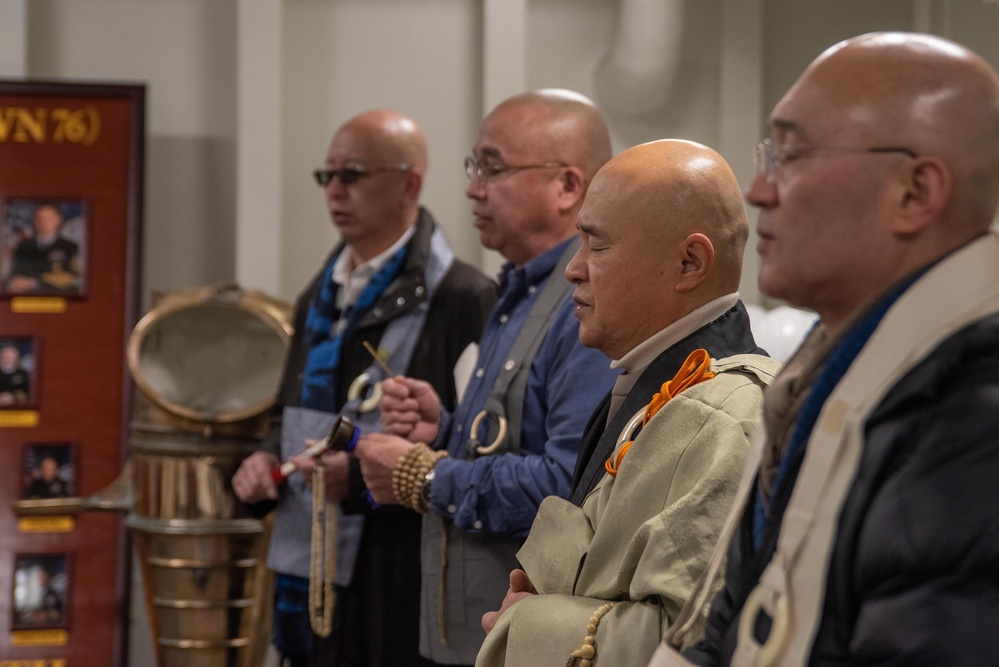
x=571 y=188
x=412 y=187
x=925 y=189
x=697 y=258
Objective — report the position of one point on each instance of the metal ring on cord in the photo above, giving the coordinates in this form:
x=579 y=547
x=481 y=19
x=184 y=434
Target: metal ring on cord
x=628 y=432
x=357 y=388
x=780 y=631
x=500 y=437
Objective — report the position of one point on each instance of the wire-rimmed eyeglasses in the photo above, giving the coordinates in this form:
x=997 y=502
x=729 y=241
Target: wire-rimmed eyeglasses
x=352 y=174
x=483 y=171
x=768 y=156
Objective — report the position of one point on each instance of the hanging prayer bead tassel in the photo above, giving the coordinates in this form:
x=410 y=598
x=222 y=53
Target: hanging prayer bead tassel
x=588 y=651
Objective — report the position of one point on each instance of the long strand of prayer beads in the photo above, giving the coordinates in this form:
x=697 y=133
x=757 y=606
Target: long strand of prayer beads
x=321 y=563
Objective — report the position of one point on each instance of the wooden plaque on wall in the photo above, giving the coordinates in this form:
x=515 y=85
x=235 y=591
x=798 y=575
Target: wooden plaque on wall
x=71 y=175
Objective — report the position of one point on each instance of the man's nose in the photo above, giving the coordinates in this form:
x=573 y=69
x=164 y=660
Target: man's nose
x=475 y=188
x=761 y=192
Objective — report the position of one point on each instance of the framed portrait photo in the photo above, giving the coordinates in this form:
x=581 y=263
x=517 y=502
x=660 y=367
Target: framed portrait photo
x=18 y=376
x=41 y=591
x=48 y=470
x=44 y=247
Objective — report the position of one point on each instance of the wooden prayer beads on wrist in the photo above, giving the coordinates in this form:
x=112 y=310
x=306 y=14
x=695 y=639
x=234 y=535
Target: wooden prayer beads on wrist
x=409 y=475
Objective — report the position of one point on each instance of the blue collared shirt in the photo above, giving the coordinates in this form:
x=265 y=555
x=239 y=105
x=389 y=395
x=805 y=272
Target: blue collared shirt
x=501 y=493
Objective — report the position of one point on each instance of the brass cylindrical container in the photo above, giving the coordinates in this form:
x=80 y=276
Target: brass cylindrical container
x=207 y=363
x=207 y=588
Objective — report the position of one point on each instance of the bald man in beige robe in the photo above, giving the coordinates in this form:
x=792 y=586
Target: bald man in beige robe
x=663 y=232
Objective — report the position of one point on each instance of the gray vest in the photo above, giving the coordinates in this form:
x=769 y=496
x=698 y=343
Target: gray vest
x=475 y=573
x=290 y=538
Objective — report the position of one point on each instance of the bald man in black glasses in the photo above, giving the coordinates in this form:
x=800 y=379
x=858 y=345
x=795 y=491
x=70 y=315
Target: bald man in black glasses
x=392 y=282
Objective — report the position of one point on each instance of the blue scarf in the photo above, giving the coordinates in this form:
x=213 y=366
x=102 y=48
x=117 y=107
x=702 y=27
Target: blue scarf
x=319 y=388
x=839 y=362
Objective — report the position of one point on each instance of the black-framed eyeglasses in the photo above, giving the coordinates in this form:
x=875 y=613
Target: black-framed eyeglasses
x=768 y=156
x=352 y=174
x=484 y=171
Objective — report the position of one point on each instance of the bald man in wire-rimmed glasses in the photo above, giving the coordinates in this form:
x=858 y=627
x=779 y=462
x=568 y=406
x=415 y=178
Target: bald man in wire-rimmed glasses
x=478 y=473
x=867 y=531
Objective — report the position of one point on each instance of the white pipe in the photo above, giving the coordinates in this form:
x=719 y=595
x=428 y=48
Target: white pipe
x=635 y=76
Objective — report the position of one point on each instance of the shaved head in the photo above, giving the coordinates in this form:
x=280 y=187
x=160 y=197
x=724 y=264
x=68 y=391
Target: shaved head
x=674 y=188
x=664 y=230
x=889 y=160
x=391 y=136
x=373 y=212
x=929 y=94
x=562 y=124
x=547 y=146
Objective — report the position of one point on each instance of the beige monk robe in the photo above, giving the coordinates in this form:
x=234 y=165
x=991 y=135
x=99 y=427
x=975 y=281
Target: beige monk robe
x=641 y=538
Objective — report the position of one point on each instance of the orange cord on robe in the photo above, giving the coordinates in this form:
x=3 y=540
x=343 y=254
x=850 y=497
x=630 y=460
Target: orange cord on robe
x=693 y=371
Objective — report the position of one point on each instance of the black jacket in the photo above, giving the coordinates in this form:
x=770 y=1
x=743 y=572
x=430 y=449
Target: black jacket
x=458 y=311
x=382 y=604
x=914 y=574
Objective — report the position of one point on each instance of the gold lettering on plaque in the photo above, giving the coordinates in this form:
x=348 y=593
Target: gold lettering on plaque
x=59 y=125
